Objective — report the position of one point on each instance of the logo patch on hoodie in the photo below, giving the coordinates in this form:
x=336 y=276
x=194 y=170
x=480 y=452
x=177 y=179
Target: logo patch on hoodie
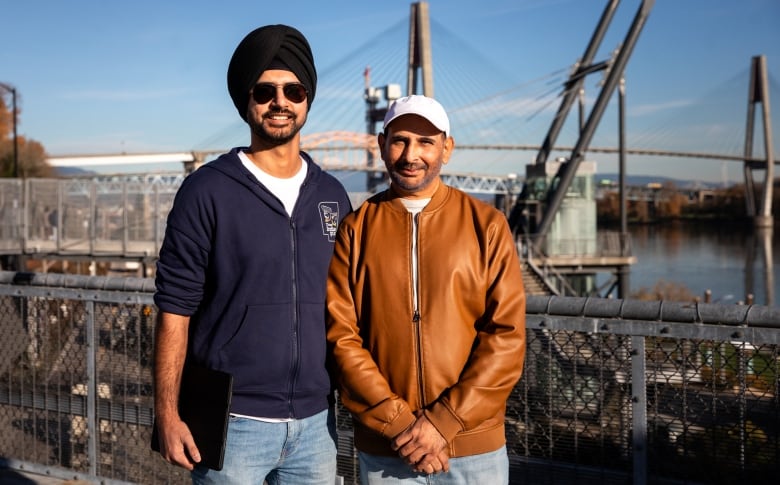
x=329 y=217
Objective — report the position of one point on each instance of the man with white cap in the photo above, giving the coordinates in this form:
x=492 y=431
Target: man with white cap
x=426 y=315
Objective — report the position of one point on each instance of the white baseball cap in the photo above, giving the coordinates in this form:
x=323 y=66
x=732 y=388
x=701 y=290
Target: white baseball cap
x=419 y=105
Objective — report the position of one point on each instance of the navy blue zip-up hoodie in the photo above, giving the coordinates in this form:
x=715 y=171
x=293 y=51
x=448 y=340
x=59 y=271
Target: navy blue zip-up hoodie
x=253 y=281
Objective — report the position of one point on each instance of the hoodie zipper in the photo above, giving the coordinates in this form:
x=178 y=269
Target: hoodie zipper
x=296 y=323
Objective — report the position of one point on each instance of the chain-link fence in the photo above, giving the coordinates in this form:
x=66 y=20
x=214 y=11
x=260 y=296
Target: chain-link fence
x=614 y=391
x=71 y=216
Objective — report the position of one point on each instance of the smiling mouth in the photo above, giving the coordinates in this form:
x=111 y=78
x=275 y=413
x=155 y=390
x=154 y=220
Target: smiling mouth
x=409 y=169
x=279 y=116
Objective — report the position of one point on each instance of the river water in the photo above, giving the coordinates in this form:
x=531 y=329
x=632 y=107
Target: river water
x=730 y=260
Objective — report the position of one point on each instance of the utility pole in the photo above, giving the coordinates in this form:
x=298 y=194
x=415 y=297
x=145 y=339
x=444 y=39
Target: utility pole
x=12 y=90
x=14 y=262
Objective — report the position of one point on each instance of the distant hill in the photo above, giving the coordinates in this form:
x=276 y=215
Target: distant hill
x=72 y=172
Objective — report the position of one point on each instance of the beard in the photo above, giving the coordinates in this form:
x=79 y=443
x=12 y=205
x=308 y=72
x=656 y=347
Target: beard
x=276 y=136
x=431 y=173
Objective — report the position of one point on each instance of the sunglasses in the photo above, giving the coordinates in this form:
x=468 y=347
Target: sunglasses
x=265 y=92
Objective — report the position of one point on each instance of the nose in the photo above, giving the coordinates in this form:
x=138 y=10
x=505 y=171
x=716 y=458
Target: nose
x=412 y=151
x=279 y=98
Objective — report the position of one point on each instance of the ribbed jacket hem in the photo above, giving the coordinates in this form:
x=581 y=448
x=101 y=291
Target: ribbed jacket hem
x=465 y=444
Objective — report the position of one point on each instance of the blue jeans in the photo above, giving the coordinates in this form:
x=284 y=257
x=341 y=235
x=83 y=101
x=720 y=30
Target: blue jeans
x=295 y=452
x=488 y=468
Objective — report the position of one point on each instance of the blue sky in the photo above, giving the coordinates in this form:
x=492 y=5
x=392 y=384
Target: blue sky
x=105 y=77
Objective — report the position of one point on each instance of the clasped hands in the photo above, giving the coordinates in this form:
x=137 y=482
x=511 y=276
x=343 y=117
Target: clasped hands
x=422 y=447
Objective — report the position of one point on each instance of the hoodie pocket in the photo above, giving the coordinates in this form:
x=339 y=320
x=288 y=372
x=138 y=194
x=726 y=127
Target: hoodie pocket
x=260 y=354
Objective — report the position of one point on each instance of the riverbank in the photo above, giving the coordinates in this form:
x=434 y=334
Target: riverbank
x=669 y=203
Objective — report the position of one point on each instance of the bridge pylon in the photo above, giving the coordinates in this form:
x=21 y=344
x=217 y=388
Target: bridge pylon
x=758 y=93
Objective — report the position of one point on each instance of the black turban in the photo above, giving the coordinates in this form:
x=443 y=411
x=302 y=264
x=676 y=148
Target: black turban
x=255 y=53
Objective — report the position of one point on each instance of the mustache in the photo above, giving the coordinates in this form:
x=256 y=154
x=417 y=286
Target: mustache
x=276 y=112
x=408 y=165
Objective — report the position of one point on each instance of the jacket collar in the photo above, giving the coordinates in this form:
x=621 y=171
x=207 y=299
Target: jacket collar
x=437 y=200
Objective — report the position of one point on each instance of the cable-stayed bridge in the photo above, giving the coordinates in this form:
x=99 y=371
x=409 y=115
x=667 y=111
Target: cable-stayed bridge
x=496 y=129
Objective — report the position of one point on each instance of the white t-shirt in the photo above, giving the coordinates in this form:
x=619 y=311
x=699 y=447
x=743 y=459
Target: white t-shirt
x=415 y=206
x=286 y=190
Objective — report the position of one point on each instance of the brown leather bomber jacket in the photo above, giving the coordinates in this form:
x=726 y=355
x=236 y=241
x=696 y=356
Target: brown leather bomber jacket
x=458 y=357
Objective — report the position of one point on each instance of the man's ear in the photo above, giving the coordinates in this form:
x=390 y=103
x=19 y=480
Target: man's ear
x=380 y=140
x=449 y=145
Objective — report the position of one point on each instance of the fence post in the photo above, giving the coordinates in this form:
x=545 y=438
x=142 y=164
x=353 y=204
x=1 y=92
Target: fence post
x=639 y=409
x=92 y=388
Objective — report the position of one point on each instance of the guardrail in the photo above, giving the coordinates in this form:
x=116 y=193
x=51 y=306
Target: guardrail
x=123 y=217
x=619 y=391
x=101 y=217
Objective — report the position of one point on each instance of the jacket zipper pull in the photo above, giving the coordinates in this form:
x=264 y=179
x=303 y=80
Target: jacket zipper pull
x=416 y=316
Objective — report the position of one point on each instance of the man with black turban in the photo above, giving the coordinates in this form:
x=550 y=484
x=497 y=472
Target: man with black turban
x=277 y=45
x=241 y=281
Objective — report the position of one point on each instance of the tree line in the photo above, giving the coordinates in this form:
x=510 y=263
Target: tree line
x=720 y=204
x=30 y=154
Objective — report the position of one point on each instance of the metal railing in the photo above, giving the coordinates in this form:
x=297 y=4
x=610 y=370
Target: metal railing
x=124 y=217
x=110 y=217
x=608 y=244
x=619 y=391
